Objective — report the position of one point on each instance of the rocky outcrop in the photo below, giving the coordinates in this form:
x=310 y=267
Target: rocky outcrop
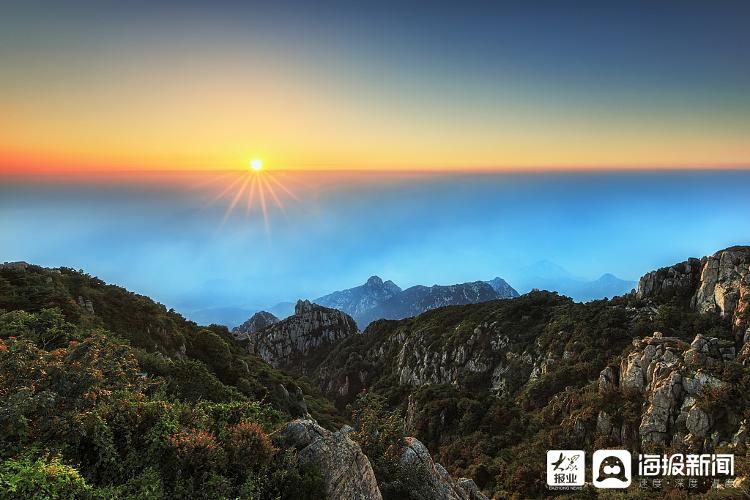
x=486 y=354
x=345 y=468
x=717 y=284
x=679 y=278
x=291 y=399
x=432 y=480
x=257 y=322
x=676 y=379
x=725 y=288
x=301 y=340
x=347 y=471
x=15 y=266
x=86 y=305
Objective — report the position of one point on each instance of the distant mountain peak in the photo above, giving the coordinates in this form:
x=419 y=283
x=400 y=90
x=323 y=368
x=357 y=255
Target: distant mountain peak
x=609 y=278
x=377 y=299
x=503 y=289
x=547 y=269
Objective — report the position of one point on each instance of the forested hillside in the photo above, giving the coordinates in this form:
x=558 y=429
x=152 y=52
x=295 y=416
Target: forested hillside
x=105 y=393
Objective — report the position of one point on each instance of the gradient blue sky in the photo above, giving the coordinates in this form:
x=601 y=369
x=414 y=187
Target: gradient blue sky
x=166 y=242
x=207 y=85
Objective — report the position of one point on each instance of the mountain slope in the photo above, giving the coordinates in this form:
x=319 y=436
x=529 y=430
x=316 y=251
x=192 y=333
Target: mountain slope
x=204 y=359
x=163 y=408
x=490 y=387
x=418 y=299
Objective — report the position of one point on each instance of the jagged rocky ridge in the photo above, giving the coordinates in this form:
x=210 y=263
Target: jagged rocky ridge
x=378 y=299
x=487 y=387
x=360 y=300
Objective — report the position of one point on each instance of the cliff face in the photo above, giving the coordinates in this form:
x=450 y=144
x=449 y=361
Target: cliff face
x=717 y=284
x=295 y=343
x=497 y=347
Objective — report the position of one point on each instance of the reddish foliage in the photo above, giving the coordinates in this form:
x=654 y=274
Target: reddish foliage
x=249 y=446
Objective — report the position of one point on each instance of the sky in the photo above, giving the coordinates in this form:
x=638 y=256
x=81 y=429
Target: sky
x=426 y=143
x=373 y=85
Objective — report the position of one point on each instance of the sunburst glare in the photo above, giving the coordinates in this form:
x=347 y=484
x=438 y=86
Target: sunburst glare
x=257 y=189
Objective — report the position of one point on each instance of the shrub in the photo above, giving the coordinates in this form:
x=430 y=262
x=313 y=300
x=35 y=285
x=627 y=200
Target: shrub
x=198 y=452
x=40 y=479
x=248 y=447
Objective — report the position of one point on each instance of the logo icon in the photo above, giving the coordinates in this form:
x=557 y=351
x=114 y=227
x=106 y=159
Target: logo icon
x=565 y=468
x=612 y=468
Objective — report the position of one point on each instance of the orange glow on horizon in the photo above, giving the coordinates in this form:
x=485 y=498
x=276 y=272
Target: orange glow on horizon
x=82 y=169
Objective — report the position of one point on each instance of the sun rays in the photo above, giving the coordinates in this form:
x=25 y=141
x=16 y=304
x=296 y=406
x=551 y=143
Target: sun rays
x=256 y=189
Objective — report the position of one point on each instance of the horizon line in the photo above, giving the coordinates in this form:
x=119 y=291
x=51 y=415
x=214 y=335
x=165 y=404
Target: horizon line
x=98 y=171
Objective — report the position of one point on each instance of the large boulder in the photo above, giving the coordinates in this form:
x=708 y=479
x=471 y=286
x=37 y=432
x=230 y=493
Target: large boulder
x=434 y=482
x=345 y=468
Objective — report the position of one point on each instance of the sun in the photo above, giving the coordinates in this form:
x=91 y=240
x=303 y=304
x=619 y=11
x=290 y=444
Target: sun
x=254 y=187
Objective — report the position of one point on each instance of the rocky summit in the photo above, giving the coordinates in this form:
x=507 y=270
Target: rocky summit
x=503 y=289
x=297 y=341
x=257 y=322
